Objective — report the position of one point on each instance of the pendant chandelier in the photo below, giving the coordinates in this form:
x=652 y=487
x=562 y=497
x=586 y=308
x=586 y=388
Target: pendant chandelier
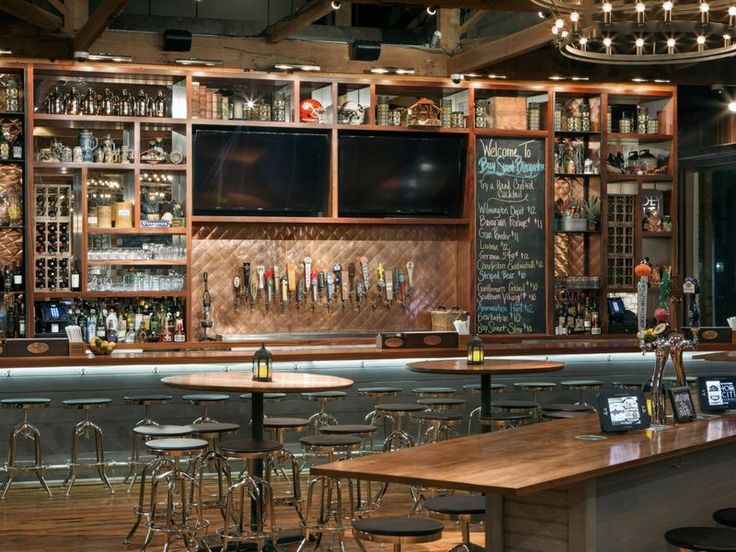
x=638 y=32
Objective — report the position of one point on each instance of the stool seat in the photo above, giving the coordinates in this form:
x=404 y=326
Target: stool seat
x=673 y=379
x=266 y=396
x=434 y=390
x=86 y=403
x=205 y=397
x=27 y=402
x=176 y=445
x=626 y=384
x=276 y=423
x=457 y=505
x=399 y=407
x=563 y=407
x=476 y=387
x=147 y=399
x=398 y=526
x=515 y=404
x=324 y=395
x=246 y=446
x=379 y=390
x=213 y=427
x=347 y=429
x=163 y=430
x=727 y=516
x=562 y=414
x=581 y=383
x=437 y=416
x=326 y=440
x=706 y=539
x=449 y=401
x=535 y=385
x=504 y=417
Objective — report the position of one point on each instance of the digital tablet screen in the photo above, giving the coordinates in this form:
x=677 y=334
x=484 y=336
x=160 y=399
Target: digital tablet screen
x=622 y=411
x=717 y=393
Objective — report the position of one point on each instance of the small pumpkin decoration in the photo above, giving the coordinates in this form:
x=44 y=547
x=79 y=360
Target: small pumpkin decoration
x=643 y=269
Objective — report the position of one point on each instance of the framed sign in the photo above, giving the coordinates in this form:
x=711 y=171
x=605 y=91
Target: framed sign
x=682 y=404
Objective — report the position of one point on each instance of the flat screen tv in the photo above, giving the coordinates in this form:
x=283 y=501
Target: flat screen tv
x=401 y=174
x=241 y=171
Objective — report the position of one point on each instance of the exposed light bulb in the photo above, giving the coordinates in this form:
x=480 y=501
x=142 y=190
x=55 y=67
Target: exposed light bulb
x=704 y=7
x=639 y=43
x=555 y=31
x=701 y=39
x=667 y=6
x=559 y=23
x=732 y=107
x=336 y=5
x=726 y=40
x=574 y=17
x=607 y=7
x=431 y=10
x=671 y=45
x=640 y=7
x=564 y=34
x=583 y=41
x=732 y=11
x=607 y=15
x=607 y=42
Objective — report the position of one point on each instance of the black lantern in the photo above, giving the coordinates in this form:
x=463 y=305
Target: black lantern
x=262 y=364
x=476 y=354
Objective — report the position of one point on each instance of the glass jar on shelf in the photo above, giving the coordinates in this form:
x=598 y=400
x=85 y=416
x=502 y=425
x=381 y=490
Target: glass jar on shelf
x=14 y=208
x=534 y=117
x=12 y=96
x=625 y=124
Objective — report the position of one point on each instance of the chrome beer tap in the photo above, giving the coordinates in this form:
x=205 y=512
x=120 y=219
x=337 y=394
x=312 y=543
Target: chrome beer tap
x=321 y=283
x=253 y=288
x=236 y=287
x=299 y=294
x=284 y=294
x=380 y=285
x=351 y=281
x=337 y=271
x=314 y=285
x=269 y=289
x=359 y=294
x=260 y=271
x=330 y=289
x=410 y=274
x=401 y=279
x=389 y=287
x=291 y=278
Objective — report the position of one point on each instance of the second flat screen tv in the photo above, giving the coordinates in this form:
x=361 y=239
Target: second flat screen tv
x=241 y=171
x=401 y=175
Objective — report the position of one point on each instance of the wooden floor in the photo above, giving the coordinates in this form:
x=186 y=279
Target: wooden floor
x=91 y=520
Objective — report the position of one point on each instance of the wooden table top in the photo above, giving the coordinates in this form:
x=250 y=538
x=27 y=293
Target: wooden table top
x=721 y=356
x=534 y=457
x=283 y=382
x=490 y=366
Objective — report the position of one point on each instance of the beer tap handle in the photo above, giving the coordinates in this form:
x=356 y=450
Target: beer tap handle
x=314 y=289
x=410 y=275
x=344 y=292
x=253 y=290
x=322 y=283
x=351 y=280
x=260 y=271
x=269 y=289
x=337 y=271
x=363 y=262
x=307 y=272
x=389 y=288
x=299 y=294
x=291 y=277
x=330 y=290
x=380 y=285
x=402 y=287
x=284 y=293
x=236 y=287
x=246 y=274
x=358 y=295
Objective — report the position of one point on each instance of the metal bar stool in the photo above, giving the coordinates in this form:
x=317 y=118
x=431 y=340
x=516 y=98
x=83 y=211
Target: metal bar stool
x=581 y=386
x=146 y=401
x=505 y=420
x=727 y=517
x=205 y=400
x=435 y=404
x=27 y=431
x=283 y=461
x=518 y=407
x=434 y=392
x=183 y=519
x=150 y=469
x=396 y=531
x=323 y=417
x=703 y=539
x=555 y=411
x=373 y=417
x=535 y=387
x=460 y=508
x=365 y=432
x=83 y=429
x=249 y=505
x=474 y=388
x=211 y=459
x=441 y=424
x=334 y=513
x=398 y=438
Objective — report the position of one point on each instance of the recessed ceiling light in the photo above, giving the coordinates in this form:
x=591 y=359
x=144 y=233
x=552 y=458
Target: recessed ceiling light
x=638 y=79
x=662 y=81
x=556 y=78
x=283 y=67
x=5 y=52
x=309 y=67
x=380 y=71
x=109 y=57
x=405 y=71
x=580 y=78
x=495 y=76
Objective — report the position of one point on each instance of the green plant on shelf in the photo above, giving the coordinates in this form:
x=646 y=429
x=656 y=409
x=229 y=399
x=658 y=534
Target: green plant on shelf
x=591 y=210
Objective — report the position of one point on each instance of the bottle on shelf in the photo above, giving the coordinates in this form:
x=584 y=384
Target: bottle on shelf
x=3 y=317
x=76 y=280
x=12 y=329
x=17 y=148
x=111 y=333
x=100 y=329
x=21 y=319
x=18 y=278
x=576 y=313
x=4 y=145
x=7 y=278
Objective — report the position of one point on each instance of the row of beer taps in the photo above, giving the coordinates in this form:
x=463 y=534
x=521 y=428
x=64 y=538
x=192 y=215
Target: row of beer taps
x=306 y=287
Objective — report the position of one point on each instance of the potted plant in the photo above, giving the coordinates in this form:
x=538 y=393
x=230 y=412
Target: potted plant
x=570 y=217
x=592 y=212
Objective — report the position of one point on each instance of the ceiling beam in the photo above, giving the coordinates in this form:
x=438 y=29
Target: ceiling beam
x=291 y=24
x=97 y=23
x=480 y=56
x=448 y=23
x=58 y=5
x=498 y=5
x=32 y=14
x=471 y=21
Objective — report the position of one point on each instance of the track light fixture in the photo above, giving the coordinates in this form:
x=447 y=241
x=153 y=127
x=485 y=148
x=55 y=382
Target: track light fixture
x=432 y=10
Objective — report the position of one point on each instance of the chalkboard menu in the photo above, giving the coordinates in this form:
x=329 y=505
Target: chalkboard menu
x=510 y=241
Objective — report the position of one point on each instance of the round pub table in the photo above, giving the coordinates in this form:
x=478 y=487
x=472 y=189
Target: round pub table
x=485 y=370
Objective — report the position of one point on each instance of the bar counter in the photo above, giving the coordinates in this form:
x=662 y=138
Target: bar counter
x=222 y=352
x=548 y=490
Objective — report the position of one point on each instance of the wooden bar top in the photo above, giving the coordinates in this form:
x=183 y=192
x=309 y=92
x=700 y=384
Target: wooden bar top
x=534 y=457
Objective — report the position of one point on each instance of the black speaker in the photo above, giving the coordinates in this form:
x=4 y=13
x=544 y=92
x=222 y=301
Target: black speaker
x=365 y=50
x=177 y=40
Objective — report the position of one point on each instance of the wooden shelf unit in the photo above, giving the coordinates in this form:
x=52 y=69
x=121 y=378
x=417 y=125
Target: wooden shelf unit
x=296 y=86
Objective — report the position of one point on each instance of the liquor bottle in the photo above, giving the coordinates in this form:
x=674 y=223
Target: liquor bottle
x=4 y=146
x=100 y=330
x=18 y=278
x=3 y=317
x=595 y=328
x=159 y=105
x=111 y=333
x=130 y=336
x=588 y=320
x=21 y=319
x=179 y=335
x=17 y=150
x=122 y=326
x=7 y=278
x=155 y=334
x=11 y=328
x=82 y=323
x=76 y=280
x=91 y=323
